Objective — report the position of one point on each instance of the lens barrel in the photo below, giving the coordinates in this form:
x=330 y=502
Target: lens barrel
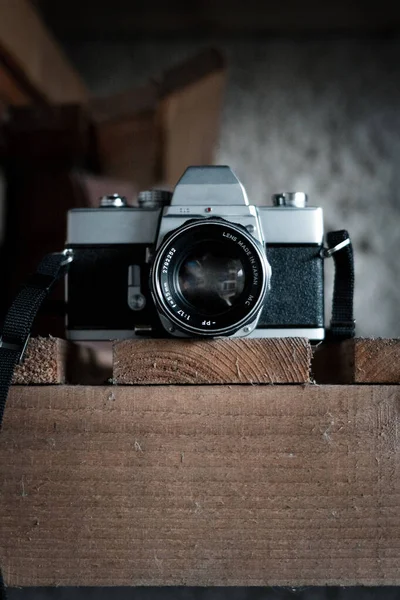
x=210 y=277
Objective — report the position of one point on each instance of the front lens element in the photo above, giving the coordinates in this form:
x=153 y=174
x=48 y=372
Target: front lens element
x=210 y=280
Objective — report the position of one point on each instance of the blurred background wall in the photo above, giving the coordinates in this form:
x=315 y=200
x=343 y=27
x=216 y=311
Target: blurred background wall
x=319 y=115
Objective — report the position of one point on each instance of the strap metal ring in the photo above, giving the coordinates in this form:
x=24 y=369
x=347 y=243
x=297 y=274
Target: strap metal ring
x=327 y=252
x=68 y=254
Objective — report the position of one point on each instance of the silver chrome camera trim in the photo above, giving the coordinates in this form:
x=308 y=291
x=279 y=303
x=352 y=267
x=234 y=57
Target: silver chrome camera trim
x=176 y=216
x=80 y=335
x=215 y=185
x=245 y=331
x=291 y=225
x=274 y=225
x=107 y=226
x=312 y=333
x=162 y=306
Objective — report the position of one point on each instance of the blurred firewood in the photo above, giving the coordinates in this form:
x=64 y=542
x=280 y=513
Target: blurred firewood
x=129 y=148
x=151 y=134
x=189 y=114
x=34 y=65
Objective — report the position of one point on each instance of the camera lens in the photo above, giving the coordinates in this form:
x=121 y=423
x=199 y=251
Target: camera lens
x=210 y=280
x=210 y=277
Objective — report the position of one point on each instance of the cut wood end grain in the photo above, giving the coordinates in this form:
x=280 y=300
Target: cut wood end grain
x=376 y=360
x=44 y=362
x=54 y=361
x=285 y=360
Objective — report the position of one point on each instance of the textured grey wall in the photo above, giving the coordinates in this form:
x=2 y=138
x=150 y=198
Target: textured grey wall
x=323 y=117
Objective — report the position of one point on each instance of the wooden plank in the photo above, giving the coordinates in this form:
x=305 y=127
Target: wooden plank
x=44 y=362
x=358 y=361
x=32 y=55
x=248 y=485
x=284 y=360
x=53 y=361
x=375 y=360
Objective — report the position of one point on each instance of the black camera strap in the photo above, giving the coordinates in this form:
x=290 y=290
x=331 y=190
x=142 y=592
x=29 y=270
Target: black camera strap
x=340 y=248
x=17 y=326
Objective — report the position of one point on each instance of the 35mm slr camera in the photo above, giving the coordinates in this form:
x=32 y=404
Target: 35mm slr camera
x=201 y=262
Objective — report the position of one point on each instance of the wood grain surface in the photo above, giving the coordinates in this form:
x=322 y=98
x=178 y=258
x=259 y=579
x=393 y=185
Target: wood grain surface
x=209 y=485
x=375 y=360
x=44 y=363
x=52 y=360
x=285 y=360
x=362 y=360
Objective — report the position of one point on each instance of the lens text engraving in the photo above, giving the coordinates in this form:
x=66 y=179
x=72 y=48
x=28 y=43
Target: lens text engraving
x=168 y=260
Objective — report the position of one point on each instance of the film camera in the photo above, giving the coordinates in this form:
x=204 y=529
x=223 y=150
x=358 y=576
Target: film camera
x=198 y=262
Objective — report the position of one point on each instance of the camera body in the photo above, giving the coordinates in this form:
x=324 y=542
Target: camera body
x=199 y=262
